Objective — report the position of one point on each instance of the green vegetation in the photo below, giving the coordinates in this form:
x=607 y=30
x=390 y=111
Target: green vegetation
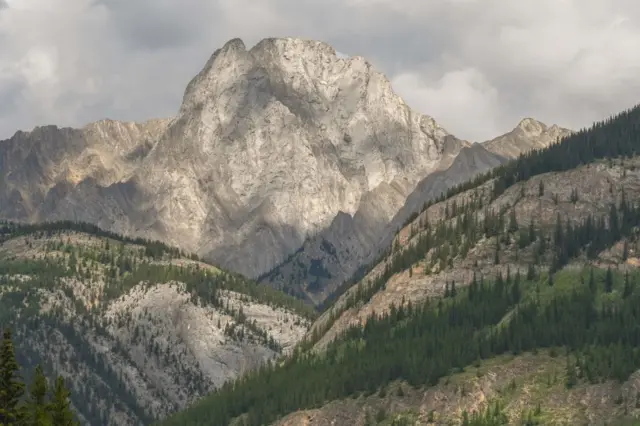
x=92 y=270
x=39 y=405
x=123 y=266
x=451 y=333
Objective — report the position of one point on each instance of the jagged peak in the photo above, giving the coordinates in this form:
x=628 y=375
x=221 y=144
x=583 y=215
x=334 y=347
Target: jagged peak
x=292 y=43
x=234 y=61
x=531 y=125
x=234 y=44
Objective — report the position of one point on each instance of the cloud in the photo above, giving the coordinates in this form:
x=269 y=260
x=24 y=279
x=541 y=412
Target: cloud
x=477 y=67
x=463 y=99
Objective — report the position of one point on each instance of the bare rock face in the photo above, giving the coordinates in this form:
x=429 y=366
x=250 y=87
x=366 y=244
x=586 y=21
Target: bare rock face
x=269 y=146
x=272 y=143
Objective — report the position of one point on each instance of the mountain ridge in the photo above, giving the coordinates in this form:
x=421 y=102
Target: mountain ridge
x=268 y=148
x=284 y=104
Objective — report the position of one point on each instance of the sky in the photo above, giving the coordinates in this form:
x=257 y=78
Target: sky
x=477 y=66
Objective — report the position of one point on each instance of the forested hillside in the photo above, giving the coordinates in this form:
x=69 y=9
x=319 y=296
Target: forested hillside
x=562 y=275
x=41 y=403
x=137 y=328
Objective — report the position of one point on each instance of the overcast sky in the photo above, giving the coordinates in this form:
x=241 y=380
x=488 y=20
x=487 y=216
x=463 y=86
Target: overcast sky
x=477 y=66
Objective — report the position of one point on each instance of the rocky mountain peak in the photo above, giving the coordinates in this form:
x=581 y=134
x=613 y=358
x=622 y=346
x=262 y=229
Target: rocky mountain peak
x=269 y=145
x=531 y=126
x=527 y=135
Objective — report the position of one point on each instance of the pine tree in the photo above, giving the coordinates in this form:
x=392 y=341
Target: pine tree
x=513 y=222
x=11 y=386
x=572 y=376
x=592 y=281
x=608 y=281
x=627 y=286
x=531 y=272
x=60 y=408
x=532 y=232
x=38 y=408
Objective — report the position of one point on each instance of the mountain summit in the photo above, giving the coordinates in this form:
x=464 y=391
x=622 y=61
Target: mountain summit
x=527 y=135
x=269 y=145
x=272 y=146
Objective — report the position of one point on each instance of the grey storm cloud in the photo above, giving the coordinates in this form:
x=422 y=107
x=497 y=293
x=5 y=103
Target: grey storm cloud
x=477 y=66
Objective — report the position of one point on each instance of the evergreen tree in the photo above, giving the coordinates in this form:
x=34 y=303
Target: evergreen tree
x=572 y=376
x=532 y=232
x=608 y=281
x=627 y=286
x=592 y=282
x=11 y=386
x=38 y=408
x=60 y=407
x=513 y=222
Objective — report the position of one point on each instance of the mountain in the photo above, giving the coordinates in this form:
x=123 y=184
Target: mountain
x=269 y=146
x=528 y=135
x=138 y=329
x=511 y=299
x=284 y=162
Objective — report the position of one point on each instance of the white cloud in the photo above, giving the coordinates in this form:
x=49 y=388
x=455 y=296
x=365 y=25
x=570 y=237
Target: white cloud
x=463 y=100
x=478 y=67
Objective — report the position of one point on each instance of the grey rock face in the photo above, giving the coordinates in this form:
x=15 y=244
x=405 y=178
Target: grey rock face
x=269 y=145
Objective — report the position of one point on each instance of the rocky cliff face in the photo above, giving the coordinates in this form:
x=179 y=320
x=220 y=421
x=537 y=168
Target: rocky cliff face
x=282 y=156
x=270 y=146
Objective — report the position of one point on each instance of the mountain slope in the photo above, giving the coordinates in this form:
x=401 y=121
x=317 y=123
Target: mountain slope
x=517 y=384
x=138 y=329
x=538 y=253
x=329 y=258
